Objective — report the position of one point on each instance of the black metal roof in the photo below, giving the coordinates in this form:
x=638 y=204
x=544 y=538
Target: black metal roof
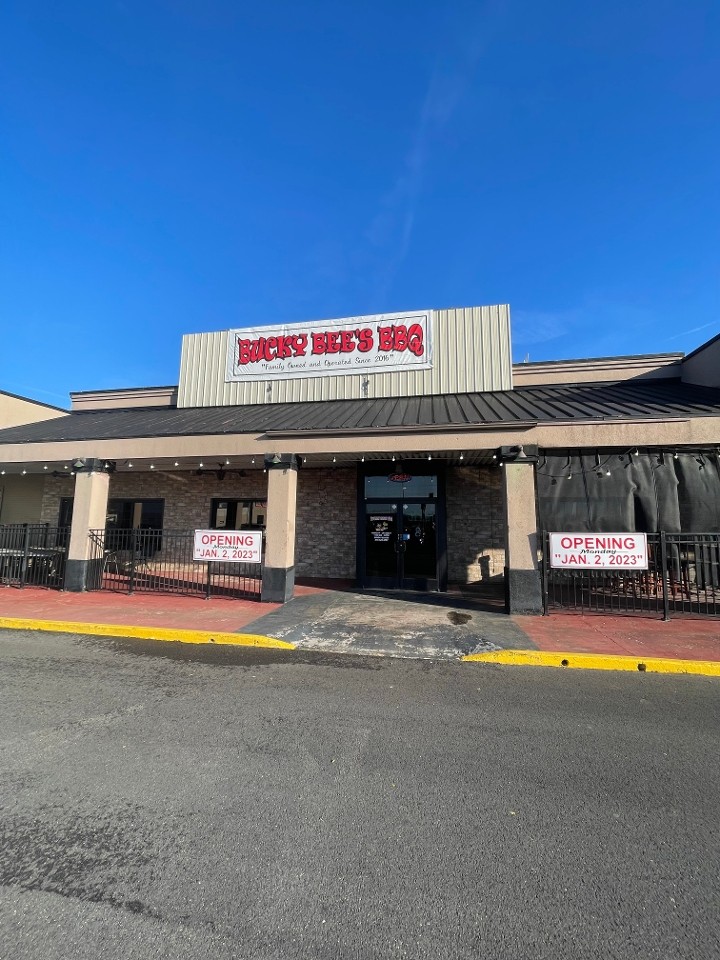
x=624 y=400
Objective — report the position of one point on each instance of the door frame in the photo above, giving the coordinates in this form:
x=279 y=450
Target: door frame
x=416 y=468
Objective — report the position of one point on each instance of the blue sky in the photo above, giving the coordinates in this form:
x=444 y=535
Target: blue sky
x=172 y=167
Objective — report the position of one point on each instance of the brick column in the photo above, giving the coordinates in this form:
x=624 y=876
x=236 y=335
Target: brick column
x=278 y=583
x=523 y=586
x=92 y=482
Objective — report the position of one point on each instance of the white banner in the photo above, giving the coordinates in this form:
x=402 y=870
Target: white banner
x=598 y=551
x=228 y=546
x=378 y=344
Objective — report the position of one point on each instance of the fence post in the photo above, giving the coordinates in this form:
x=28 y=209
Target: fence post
x=26 y=549
x=665 y=585
x=545 y=575
x=207 y=583
x=133 y=541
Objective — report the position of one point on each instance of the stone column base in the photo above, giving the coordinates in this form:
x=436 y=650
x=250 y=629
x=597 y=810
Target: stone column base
x=523 y=591
x=278 y=584
x=77 y=573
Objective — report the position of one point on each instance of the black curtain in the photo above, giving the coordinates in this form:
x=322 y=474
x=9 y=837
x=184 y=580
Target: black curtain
x=646 y=492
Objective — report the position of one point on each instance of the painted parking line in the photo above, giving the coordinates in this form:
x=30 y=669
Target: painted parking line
x=177 y=635
x=596 y=661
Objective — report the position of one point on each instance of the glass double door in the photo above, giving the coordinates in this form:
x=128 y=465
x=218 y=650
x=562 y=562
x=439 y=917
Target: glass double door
x=401 y=545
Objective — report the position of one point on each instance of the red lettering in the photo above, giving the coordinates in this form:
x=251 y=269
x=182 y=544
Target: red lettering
x=365 y=339
x=385 y=339
x=270 y=346
x=333 y=341
x=566 y=543
x=346 y=341
x=318 y=343
x=300 y=343
x=284 y=349
x=243 y=351
x=415 y=340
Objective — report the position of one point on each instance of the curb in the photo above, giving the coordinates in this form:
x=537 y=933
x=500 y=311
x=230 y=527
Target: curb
x=596 y=661
x=177 y=635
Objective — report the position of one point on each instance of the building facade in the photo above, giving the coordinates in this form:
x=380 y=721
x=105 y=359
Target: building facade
x=399 y=451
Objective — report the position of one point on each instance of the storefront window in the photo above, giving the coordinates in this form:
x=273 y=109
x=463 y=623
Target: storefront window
x=238 y=514
x=126 y=516
x=135 y=514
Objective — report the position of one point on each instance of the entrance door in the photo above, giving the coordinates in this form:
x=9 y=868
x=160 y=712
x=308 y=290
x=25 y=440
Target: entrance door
x=401 y=545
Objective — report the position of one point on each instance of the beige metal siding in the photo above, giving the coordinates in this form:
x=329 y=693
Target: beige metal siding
x=471 y=351
x=21 y=499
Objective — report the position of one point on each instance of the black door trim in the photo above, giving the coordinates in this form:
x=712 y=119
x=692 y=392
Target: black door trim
x=418 y=468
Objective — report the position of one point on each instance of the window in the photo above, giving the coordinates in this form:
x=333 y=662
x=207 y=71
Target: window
x=124 y=516
x=414 y=486
x=238 y=514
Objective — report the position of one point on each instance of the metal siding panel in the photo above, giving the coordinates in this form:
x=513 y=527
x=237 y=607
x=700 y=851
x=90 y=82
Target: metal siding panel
x=470 y=353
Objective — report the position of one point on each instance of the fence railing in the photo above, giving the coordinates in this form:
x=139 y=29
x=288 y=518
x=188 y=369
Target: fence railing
x=683 y=577
x=161 y=561
x=33 y=554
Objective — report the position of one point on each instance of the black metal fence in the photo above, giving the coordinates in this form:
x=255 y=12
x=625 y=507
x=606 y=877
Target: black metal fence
x=33 y=554
x=683 y=577
x=161 y=561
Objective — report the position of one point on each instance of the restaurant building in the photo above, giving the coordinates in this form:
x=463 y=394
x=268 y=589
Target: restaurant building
x=396 y=451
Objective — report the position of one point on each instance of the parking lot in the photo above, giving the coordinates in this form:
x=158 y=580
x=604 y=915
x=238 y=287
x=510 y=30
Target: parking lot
x=163 y=800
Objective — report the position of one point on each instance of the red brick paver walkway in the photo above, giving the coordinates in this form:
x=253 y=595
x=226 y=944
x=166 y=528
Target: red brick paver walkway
x=137 y=609
x=681 y=638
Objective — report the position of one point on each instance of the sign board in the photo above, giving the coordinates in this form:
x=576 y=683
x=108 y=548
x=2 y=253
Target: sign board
x=383 y=343
x=228 y=546
x=598 y=551
x=381 y=527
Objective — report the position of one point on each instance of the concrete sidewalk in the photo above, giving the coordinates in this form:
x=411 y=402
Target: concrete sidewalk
x=432 y=626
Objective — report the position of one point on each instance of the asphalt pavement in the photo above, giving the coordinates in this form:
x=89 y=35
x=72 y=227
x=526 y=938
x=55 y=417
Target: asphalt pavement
x=173 y=801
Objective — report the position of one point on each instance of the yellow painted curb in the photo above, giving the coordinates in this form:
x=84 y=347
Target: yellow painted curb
x=147 y=633
x=596 y=661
